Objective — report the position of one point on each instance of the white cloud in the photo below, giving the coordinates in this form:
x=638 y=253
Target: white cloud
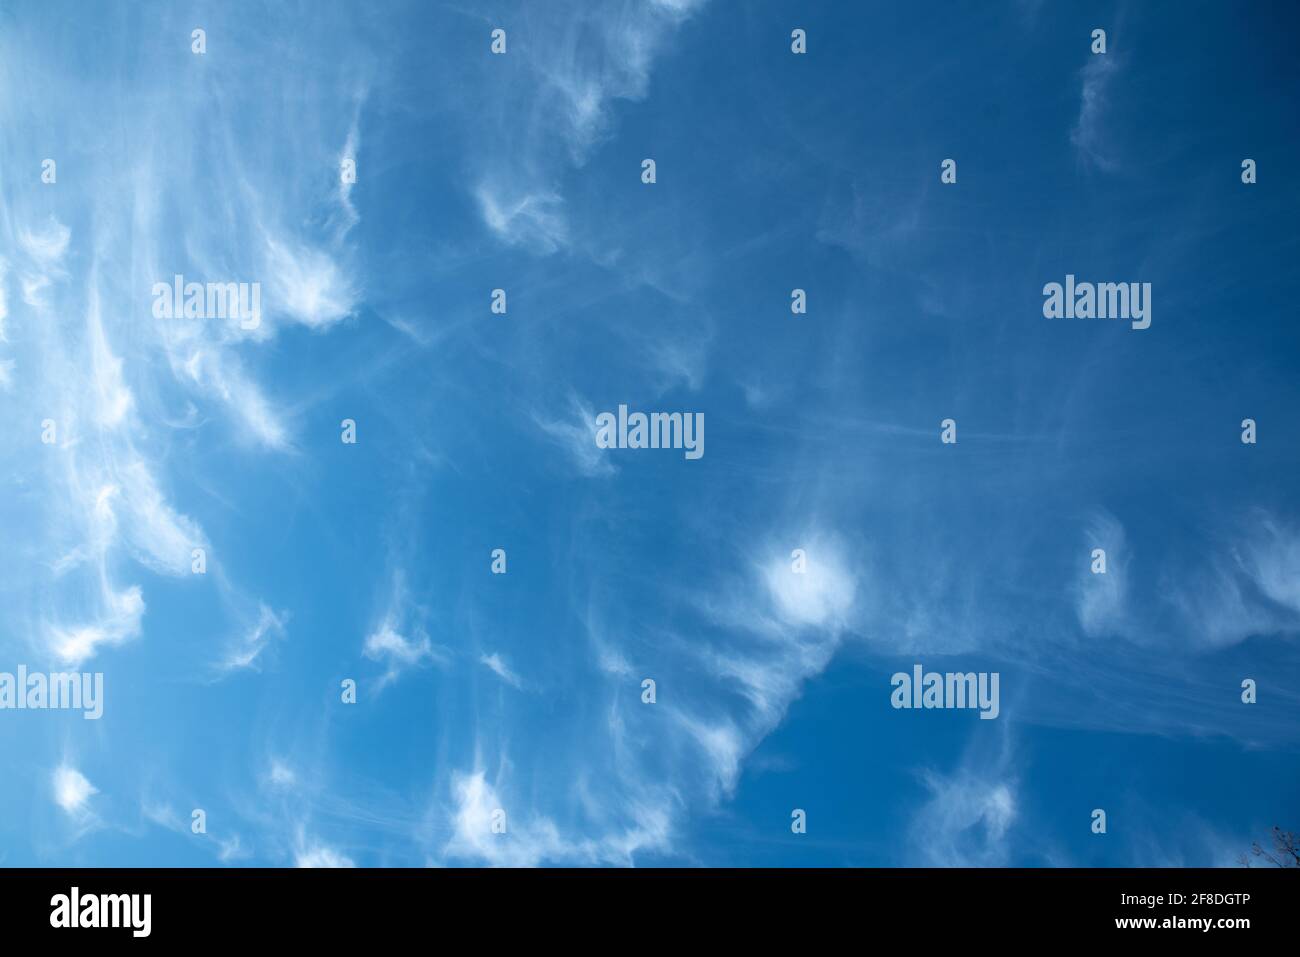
x=576 y=92
x=532 y=840
x=1243 y=585
x=349 y=211
x=386 y=644
x=971 y=812
x=965 y=821
x=1243 y=589
x=399 y=641
x=71 y=790
x=575 y=68
x=1100 y=600
x=281 y=776
x=162 y=815
x=46 y=246
x=821 y=596
x=319 y=855
x=1089 y=134
x=724 y=745
x=98 y=509
x=119 y=621
x=524 y=844
x=253 y=642
x=1272 y=559
x=231 y=849
x=535 y=220
x=680 y=361
x=161 y=538
x=782 y=628
x=112 y=399
x=498 y=665
x=577 y=436
x=307 y=285
x=219 y=373
x=1216 y=608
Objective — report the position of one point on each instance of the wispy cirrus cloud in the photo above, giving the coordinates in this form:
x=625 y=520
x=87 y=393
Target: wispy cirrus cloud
x=1090 y=135
x=575 y=433
x=400 y=640
x=578 y=63
x=497 y=665
x=1101 y=596
x=248 y=649
x=970 y=813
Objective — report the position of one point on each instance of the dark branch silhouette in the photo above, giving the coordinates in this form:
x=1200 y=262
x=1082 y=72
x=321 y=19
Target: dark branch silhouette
x=1285 y=852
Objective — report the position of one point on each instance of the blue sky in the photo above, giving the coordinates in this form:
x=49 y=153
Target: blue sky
x=522 y=692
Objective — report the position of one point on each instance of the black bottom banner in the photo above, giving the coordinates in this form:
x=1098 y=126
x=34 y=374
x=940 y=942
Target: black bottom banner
x=301 y=906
